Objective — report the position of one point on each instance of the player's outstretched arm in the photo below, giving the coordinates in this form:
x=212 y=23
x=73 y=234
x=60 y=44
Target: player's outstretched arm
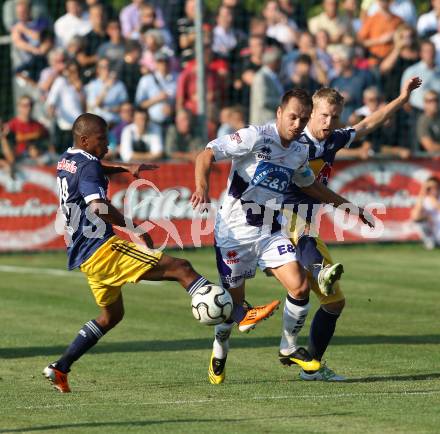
x=111 y=215
x=376 y=119
x=111 y=168
x=202 y=170
x=322 y=193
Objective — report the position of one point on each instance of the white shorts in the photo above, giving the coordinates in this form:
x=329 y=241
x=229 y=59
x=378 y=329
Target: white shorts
x=236 y=264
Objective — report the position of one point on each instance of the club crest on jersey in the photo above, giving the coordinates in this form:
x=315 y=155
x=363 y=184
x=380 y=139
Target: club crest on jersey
x=236 y=137
x=265 y=153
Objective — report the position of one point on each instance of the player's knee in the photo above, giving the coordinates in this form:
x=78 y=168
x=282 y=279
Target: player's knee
x=111 y=319
x=298 y=287
x=336 y=307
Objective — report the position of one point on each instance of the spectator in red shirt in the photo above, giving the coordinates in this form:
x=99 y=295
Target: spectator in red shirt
x=26 y=136
x=216 y=77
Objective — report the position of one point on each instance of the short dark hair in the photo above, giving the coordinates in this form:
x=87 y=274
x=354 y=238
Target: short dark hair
x=304 y=58
x=298 y=93
x=86 y=124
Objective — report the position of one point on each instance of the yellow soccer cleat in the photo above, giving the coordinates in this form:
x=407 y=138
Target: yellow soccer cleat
x=302 y=358
x=216 y=370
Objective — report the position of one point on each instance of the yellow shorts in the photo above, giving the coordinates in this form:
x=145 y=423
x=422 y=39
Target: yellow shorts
x=115 y=263
x=297 y=228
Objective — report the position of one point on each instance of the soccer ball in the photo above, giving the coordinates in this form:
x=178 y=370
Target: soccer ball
x=211 y=304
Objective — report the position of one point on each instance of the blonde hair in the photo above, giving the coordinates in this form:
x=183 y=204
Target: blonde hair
x=332 y=96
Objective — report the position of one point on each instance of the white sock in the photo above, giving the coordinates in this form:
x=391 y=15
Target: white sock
x=294 y=317
x=221 y=340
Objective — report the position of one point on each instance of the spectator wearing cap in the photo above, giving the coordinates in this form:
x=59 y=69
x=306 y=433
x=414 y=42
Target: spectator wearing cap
x=65 y=102
x=427 y=24
x=426 y=68
x=156 y=92
x=428 y=123
x=266 y=89
x=377 y=32
x=106 y=93
x=182 y=141
x=349 y=81
x=73 y=23
x=141 y=140
x=331 y=21
x=25 y=136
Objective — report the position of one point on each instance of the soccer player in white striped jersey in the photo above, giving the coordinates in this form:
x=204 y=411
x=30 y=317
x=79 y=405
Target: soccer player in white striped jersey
x=266 y=160
x=324 y=140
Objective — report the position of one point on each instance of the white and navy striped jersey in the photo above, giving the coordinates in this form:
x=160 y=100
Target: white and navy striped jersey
x=261 y=173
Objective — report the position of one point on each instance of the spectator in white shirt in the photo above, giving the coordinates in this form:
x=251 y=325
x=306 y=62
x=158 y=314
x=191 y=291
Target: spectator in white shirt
x=141 y=140
x=65 y=103
x=156 y=91
x=427 y=24
x=225 y=37
x=74 y=22
x=105 y=94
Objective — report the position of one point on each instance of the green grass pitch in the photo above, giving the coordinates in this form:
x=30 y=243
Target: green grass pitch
x=150 y=373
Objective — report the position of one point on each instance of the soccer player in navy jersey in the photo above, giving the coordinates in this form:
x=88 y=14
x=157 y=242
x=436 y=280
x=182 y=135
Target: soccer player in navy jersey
x=324 y=139
x=107 y=260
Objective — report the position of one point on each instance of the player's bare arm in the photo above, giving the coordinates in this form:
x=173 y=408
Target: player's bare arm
x=320 y=192
x=376 y=119
x=204 y=163
x=107 y=212
x=111 y=168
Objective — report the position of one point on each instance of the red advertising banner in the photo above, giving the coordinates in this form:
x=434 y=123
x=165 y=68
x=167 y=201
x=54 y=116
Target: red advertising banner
x=28 y=203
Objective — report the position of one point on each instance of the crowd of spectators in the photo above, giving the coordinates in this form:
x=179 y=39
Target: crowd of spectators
x=136 y=68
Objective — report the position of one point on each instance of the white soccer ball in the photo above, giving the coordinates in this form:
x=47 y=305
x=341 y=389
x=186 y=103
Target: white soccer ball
x=211 y=304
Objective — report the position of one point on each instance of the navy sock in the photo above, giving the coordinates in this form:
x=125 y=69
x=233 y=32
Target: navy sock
x=196 y=284
x=87 y=337
x=309 y=256
x=321 y=332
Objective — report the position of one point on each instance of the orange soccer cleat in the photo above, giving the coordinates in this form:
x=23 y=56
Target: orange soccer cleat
x=256 y=314
x=57 y=378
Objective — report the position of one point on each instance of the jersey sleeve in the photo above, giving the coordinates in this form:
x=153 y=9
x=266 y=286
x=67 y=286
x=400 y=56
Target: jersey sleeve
x=234 y=145
x=344 y=137
x=91 y=183
x=303 y=176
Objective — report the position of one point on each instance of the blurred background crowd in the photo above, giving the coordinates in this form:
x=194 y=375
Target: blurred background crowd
x=134 y=65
